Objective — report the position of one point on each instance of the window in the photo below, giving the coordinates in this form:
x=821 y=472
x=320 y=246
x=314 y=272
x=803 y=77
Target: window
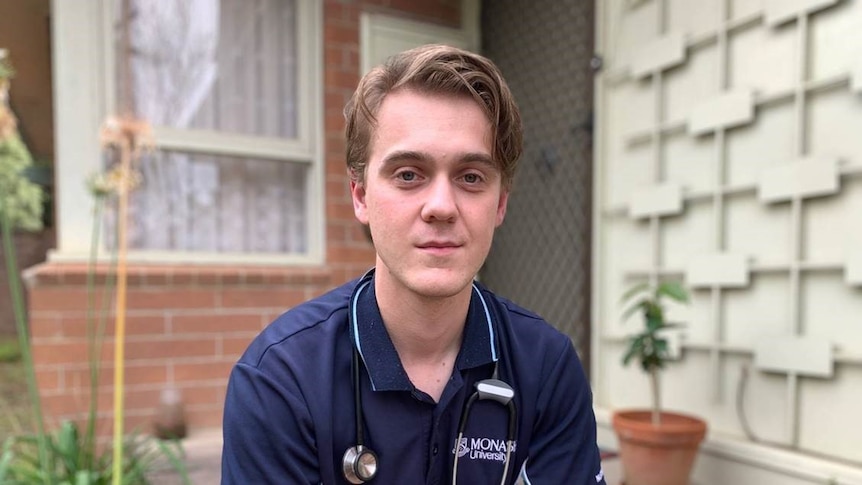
x=232 y=90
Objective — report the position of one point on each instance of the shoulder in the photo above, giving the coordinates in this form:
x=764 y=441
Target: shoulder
x=524 y=325
x=536 y=351
x=318 y=319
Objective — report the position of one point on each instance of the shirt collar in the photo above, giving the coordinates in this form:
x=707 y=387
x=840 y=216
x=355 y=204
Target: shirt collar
x=379 y=355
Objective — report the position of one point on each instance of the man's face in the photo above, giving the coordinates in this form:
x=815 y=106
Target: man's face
x=432 y=194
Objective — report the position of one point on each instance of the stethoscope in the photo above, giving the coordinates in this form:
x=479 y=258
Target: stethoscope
x=360 y=462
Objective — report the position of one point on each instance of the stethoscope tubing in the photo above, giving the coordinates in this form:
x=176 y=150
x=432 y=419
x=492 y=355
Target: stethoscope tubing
x=510 y=438
x=505 y=397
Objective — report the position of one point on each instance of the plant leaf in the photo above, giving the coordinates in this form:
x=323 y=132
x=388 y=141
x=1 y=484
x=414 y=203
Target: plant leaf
x=654 y=323
x=634 y=290
x=634 y=308
x=673 y=290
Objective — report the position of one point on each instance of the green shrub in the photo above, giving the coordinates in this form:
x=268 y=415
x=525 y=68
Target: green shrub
x=10 y=351
x=73 y=462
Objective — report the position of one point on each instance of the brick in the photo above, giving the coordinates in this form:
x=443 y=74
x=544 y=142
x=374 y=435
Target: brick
x=335 y=100
x=49 y=378
x=134 y=421
x=340 y=211
x=65 y=404
x=255 y=278
x=183 y=279
x=164 y=348
x=207 y=417
x=350 y=255
x=59 y=299
x=210 y=277
x=338 y=189
x=233 y=347
x=341 y=11
x=63 y=352
x=45 y=326
x=336 y=145
x=135 y=374
x=203 y=371
x=77 y=327
x=201 y=394
x=134 y=399
x=340 y=33
x=343 y=79
x=277 y=297
x=156 y=279
x=171 y=298
x=194 y=324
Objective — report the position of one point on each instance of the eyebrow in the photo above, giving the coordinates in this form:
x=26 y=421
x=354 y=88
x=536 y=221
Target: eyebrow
x=404 y=155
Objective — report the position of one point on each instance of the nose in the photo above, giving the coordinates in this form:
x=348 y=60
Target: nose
x=440 y=203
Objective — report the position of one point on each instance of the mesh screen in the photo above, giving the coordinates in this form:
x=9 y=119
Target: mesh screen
x=541 y=254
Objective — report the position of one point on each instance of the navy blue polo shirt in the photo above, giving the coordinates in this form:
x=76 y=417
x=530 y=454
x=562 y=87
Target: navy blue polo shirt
x=290 y=412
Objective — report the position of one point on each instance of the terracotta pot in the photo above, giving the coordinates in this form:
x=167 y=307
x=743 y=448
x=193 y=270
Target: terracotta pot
x=657 y=455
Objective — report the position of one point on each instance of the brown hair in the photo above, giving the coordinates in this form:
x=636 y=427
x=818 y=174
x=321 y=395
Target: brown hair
x=436 y=69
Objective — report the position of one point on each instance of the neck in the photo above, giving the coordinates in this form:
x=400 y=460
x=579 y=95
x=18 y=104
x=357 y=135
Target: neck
x=422 y=329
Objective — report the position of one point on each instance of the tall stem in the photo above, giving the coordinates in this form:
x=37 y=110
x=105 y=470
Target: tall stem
x=95 y=332
x=120 y=322
x=656 y=397
x=24 y=342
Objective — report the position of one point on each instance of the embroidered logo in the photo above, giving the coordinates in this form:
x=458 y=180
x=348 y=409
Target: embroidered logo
x=463 y=449
x=483 y=449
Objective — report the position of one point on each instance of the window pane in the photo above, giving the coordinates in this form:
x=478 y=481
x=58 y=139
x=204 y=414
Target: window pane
x=220 y=204
x=225 y=65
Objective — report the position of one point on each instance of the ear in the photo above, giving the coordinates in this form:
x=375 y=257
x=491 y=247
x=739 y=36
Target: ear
x=357 y=192
x=501 y=206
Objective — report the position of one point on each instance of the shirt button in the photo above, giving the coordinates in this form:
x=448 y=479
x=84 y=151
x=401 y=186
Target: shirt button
x=434 y=451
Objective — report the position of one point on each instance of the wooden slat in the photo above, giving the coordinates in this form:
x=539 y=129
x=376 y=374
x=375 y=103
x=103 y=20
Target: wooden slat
x=719 y=269
x=724 y=111
x=658 y=200
x=808 y=177
x=780 y=11
x=663 y=53
x=804 y=356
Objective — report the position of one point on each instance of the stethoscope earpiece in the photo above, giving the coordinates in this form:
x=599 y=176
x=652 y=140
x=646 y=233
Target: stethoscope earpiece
x=359 y=464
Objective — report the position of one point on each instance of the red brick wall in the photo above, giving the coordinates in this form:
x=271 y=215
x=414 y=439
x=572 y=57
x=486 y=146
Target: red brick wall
x=185 y=326
x=188 y=325
x=30 y=249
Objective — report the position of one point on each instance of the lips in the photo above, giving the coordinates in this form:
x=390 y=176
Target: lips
x=438 y=245
x=439 y=248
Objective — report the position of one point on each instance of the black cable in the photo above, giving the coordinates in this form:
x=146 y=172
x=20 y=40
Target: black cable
x=357 y=400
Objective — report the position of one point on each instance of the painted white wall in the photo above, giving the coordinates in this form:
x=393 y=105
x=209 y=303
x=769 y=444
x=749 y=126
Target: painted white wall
x=729 y=156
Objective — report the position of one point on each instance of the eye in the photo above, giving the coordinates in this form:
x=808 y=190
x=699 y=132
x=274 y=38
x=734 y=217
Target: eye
x=472 y=178
x=406 y=176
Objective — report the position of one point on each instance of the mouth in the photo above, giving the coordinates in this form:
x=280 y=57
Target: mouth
x=438 y=248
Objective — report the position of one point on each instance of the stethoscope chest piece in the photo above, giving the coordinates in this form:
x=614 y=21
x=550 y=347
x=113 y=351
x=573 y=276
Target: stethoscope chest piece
x=359 y=464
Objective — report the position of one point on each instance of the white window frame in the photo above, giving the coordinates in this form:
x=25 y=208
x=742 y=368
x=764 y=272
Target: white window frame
x=84 y=96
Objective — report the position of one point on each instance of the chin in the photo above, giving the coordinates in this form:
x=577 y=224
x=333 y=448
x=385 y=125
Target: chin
x=440 y=285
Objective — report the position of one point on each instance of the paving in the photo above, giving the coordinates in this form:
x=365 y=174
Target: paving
x=202 y=458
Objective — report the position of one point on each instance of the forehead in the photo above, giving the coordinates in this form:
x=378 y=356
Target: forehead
x=437 y=120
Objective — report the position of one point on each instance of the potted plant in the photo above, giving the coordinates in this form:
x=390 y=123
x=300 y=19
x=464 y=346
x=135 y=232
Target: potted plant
x=656 y=447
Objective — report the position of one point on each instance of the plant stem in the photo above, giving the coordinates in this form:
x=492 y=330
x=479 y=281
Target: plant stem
x=95 y=347
x=24 y=342
x=656 y=397
x=120 y=320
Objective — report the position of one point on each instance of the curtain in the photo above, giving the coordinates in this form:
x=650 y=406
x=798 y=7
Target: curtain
x=226 y=66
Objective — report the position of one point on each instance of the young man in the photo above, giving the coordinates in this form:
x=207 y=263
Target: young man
x=414 y=373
